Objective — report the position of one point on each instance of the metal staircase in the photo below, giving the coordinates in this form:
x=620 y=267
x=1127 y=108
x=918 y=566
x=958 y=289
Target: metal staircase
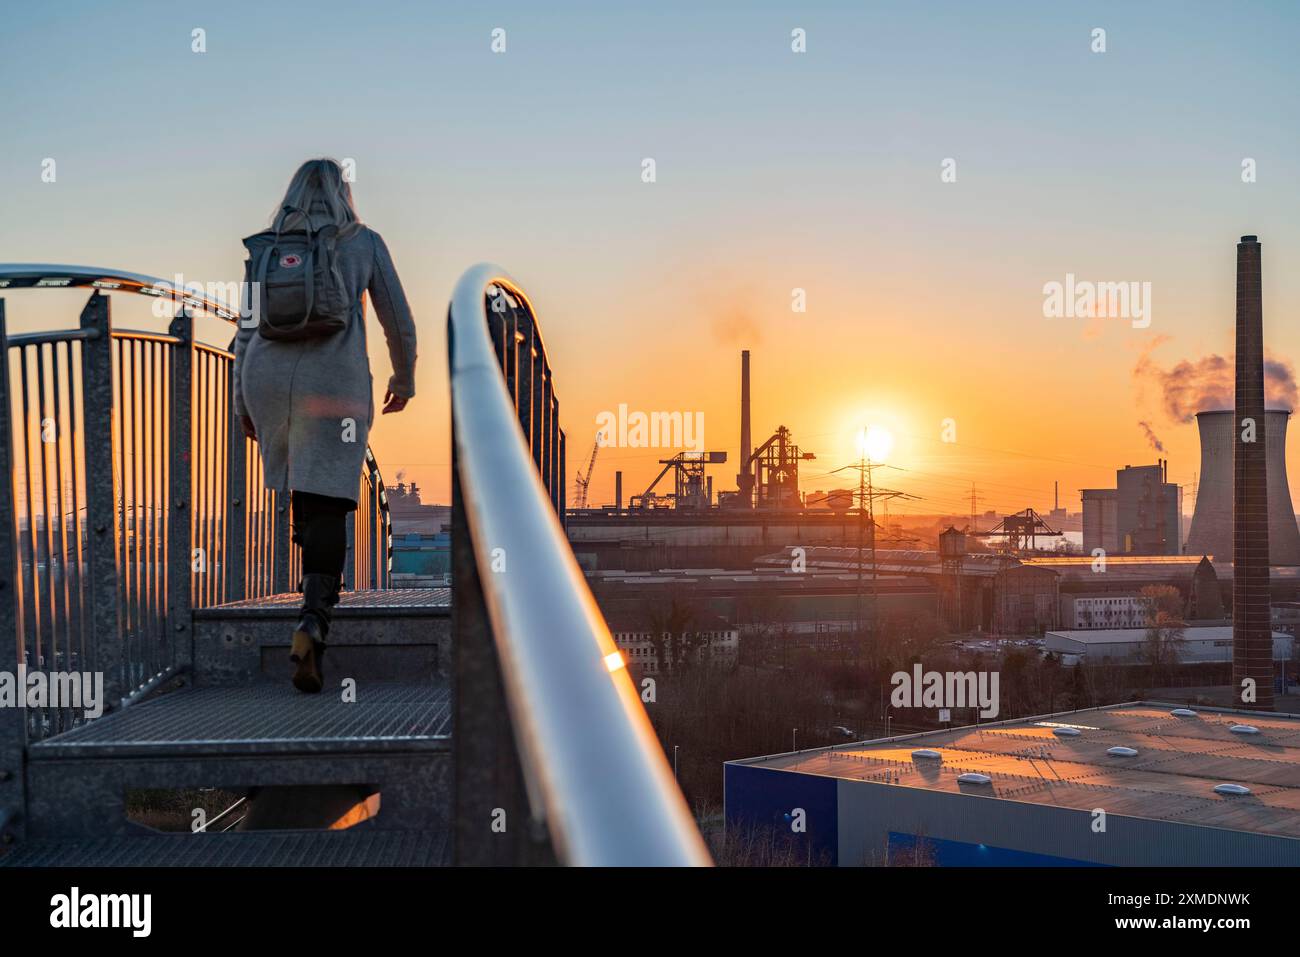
x=175 y=587
x=234 y=723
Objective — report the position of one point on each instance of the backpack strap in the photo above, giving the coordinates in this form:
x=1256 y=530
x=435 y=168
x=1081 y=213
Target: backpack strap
x=309 y=264
x=259 y=277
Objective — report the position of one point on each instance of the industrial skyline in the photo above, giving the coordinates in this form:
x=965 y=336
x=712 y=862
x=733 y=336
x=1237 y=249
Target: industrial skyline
x=820 y=171
x=719 y=435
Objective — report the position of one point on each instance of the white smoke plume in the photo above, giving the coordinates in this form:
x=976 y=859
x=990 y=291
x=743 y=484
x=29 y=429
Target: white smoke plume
x=1190 y=386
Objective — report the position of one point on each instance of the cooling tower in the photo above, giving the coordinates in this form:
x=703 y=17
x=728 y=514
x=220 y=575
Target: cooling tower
x=1211 y=532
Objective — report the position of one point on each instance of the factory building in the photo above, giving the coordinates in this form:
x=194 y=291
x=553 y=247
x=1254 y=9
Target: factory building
x=1104 y=611
x=813 y=608
x=688 y=528
x=421 y=561
x=421 y=539
x=1142 y=515
x=1100 y=520
x=1138 y=784
x=1127 y=607
x=1128 y=645
x=1025 y=600
x=998 y=594
x=712 y=640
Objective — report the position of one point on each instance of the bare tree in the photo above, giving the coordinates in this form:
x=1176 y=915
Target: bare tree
x=670 y=631
x=1166 y=629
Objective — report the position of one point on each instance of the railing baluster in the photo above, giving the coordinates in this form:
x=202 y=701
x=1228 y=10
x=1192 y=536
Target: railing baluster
x=57 y=380
x=43 y=423
x=76 y=409
x=222 y=477
x=31 y=647
x=280 y=529
x=550 y=448
x=122 y=493
x=537 y=380
x=143 y=439
x=375 y=520
x=524 y=379
x=350 y=531
x=560 y=490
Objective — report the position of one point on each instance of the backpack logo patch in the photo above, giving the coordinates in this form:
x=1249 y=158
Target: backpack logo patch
x=290 y=261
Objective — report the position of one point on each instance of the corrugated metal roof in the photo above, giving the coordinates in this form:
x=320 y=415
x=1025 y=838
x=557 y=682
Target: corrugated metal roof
x=1172 y=777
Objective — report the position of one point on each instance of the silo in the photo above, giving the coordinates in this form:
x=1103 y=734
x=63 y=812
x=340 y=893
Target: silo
x=1211 y=531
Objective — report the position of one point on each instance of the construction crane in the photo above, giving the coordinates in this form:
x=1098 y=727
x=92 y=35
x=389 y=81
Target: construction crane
x=584 y=482
x=691 y=489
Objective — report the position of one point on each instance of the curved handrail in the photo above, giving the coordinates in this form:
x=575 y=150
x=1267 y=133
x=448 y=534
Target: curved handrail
x=65 y=276
x=592 y=764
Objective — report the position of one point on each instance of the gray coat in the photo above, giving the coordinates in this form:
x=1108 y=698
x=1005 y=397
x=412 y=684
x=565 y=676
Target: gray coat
x=312 y=400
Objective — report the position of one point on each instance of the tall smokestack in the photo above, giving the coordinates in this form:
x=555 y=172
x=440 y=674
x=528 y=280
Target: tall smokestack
x=1252 y=627
x=618 y=491
x=745 y=479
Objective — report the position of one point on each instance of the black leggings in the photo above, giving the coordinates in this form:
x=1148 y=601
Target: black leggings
x=320 y=527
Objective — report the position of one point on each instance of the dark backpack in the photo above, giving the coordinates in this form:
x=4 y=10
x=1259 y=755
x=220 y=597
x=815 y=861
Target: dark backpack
x=301 y=288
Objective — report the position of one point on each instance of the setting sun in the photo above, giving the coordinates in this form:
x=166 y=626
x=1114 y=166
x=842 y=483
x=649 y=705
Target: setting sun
x=875 y=443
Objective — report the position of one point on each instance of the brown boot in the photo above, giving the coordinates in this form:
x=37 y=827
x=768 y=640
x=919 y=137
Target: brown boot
x=307 y=676
x=320 y=594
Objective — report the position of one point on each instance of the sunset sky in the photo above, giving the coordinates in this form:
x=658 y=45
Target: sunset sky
x=775 y=171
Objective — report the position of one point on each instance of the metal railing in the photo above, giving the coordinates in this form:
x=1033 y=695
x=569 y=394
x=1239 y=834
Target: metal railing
x=577 y=760
x=134 y=496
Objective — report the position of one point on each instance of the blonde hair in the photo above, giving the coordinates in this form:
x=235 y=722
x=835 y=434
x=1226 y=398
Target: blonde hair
x=320 y=190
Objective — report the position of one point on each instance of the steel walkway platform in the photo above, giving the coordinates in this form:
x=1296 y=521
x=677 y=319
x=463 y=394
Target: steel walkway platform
x=264 y=719
x=357 y=847
x=389 y=602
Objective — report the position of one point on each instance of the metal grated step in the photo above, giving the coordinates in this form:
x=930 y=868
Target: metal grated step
x=265 y=718
x=390 y=601
x=357 y=847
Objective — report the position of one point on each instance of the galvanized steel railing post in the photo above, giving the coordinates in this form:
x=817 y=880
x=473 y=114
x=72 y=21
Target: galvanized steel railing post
x=180 y=512
x=101 y=496
x=13 y=724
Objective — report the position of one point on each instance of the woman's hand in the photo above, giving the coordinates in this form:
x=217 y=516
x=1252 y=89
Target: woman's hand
x=394 y=403
x=249 y=429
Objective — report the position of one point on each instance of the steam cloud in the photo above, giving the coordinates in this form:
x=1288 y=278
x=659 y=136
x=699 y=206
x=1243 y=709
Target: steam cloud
x=1207 y=384
x=1151 y=437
